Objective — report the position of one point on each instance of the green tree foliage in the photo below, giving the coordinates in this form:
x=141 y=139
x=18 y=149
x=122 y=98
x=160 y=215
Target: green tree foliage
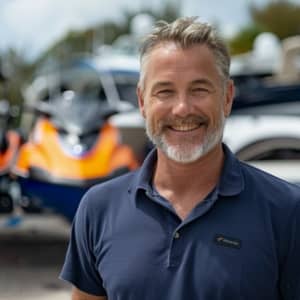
x=18 y=72
x=83 y=41
x=243 y=41
x=170 y=12
x=280 y=17
x=103 y=33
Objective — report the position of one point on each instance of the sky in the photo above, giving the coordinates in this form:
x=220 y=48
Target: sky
x=31 y=26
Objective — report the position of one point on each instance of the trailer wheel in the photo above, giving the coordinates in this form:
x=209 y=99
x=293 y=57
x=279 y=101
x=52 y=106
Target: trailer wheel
x=281 y=148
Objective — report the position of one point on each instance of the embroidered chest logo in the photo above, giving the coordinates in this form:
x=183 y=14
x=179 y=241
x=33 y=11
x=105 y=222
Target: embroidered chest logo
x=227 y=241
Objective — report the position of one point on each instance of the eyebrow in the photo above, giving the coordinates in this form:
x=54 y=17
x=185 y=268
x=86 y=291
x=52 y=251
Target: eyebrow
x=161 y=84
x=165 y=84
x=203 y=81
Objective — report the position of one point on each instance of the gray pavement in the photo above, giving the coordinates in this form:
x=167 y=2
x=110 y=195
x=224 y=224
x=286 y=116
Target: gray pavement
x=31 y=256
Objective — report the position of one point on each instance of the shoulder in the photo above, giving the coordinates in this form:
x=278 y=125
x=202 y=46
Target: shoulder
x=107 y=195
x=114 y=186
x=273 y=203
x=103 y=205
x=110 y=189
x=253 y=173
x=270 y=187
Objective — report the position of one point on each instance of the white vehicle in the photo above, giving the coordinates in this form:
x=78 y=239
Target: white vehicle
x=263 y=130
x=269 y=142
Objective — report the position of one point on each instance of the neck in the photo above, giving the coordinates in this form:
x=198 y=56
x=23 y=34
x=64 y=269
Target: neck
x=179 y=181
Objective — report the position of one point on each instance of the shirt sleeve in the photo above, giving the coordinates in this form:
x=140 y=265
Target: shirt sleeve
x=80 y=264
x=290 y=279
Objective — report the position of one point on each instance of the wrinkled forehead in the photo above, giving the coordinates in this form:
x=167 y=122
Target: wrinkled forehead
x=169 y=44
x=171 y=56
x=194 y=52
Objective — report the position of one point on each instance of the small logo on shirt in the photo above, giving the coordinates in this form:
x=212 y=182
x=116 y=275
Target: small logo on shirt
x=227 y=241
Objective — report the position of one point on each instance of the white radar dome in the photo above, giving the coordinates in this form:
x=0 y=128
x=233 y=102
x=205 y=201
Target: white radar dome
x=141 y=24
x=267 y=45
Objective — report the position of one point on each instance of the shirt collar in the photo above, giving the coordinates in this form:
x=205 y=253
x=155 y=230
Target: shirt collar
x=231 y=181
x=143 y=177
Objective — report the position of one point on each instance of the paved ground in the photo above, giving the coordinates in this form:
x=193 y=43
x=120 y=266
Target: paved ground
x=31 y=257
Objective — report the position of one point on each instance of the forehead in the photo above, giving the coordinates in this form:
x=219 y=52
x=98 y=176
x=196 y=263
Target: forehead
x=168 y=59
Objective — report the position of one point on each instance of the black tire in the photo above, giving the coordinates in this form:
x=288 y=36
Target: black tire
x=273 y=148
x=6 y=203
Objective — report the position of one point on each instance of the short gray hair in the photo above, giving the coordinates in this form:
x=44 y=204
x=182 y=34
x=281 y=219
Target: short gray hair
x=186 y=32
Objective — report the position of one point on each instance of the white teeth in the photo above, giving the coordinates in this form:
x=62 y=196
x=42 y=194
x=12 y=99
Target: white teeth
x=185 y=127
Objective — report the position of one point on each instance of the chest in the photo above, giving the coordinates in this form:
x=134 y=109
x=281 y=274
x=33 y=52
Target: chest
x=148 y=256
x=183 y=203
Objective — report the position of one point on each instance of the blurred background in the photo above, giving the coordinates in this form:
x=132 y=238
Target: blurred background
x=69 y=116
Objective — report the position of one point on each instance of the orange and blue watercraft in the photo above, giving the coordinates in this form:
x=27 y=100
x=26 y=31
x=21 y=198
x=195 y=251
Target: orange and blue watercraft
x=71 y=147
x=9 y=144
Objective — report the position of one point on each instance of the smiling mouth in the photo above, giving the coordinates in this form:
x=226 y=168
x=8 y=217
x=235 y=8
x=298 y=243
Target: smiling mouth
x=185 y=127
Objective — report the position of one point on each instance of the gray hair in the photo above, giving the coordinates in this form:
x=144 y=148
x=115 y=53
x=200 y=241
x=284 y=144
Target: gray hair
x=186 y=32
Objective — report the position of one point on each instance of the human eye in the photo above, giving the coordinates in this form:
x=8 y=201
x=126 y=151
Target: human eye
x=165 y=93
x=199 y=91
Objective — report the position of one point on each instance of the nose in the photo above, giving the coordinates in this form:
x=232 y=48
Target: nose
x=182 y=106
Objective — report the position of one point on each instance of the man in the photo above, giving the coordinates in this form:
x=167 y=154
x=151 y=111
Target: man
x=193 y=222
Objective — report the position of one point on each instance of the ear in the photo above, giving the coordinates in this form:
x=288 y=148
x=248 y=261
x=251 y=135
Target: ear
x=141 y=101
x=229 y=98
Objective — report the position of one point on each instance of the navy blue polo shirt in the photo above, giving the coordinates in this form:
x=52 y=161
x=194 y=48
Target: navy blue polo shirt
x=241 y=242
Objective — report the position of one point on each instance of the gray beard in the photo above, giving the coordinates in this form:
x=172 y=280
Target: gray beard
x=186 y=153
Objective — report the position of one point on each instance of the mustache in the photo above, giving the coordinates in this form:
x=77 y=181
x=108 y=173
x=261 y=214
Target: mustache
x=191 y=119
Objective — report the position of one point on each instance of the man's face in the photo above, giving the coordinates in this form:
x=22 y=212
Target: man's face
x=184 y=101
